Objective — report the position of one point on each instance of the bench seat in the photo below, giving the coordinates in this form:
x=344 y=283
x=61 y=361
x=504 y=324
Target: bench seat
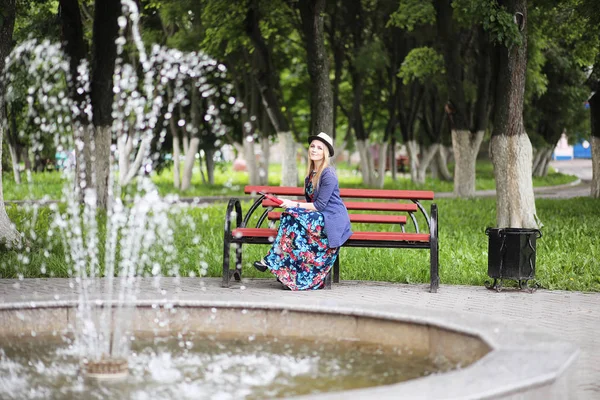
x=383 y=207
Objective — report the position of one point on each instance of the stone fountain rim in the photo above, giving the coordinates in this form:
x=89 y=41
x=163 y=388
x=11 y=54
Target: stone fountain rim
x=539 y=364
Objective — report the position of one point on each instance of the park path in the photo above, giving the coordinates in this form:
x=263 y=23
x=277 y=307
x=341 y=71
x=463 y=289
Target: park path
x=581 y=168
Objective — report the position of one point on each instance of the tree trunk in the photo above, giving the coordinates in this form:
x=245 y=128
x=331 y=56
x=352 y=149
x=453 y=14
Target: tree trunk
x=595 y=184
x=249 y=126
x=364 y=152
x=127 y=170
x=264 y=161
x=15 y=163
x=13 y=146
x=442 y=163
x=176 y=164
x=412 y=147
x=269 y=86
x=312 y=14
x=381 y=162
x=428 y=156
x=510 y=148
x=210 y=166
x=541 y=161
x=76 y=49
x=466 y=138
x=595 y=140
x=188 y=164
x=105 y=33
x=251 y=164
x=8 y=234
x=465 y=146
x=392 y=156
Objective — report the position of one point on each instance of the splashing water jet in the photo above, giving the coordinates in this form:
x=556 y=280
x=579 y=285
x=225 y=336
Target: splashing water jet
x=137 y=220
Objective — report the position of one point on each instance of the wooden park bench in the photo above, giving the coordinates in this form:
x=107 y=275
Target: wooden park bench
x=388 y=207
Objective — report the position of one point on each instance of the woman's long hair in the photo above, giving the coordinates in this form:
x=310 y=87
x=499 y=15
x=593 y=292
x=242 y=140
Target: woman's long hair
x=311 y=167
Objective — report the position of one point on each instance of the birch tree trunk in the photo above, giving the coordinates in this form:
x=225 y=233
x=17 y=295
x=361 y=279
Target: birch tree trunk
x=428 y=156
x=9 y=235
x=264 y=161
x=412 y=148
x=465 y=146
x=510 y=147
x=541 y=161
x=127 y=170
x=595 y=185
x=439 y=165
x=381 y=161
x=13 y=143
x=595 y=139
x=210 y=165
x=15 y=163
x=176 y=164
x=188 y=164
x=365 y=162
x=250 y=157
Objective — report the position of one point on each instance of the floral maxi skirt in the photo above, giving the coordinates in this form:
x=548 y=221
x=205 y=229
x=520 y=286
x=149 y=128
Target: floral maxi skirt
x=300 y=257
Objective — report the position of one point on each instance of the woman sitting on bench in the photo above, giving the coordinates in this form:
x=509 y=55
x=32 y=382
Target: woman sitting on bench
x=311 y=233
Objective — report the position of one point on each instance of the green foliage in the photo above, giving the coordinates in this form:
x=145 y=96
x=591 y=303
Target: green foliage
x=371 y=57
x=411 y=13
x=498 y=22
x=536 y=82
x=555 y=91
x=422 y=64
x=37 y=19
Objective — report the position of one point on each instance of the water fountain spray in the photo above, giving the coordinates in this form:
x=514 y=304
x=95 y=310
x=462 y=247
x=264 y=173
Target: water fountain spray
x=137 y=229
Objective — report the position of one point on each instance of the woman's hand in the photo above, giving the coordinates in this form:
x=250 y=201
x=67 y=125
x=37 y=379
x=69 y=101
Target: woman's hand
x=287 y=203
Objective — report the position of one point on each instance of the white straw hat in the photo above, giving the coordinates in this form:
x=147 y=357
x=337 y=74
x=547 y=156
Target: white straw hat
x=325 y=138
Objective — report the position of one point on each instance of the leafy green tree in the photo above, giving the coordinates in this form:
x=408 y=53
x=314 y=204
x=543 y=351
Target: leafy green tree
x=8 y=234
x=466 y=30
x=560 y=108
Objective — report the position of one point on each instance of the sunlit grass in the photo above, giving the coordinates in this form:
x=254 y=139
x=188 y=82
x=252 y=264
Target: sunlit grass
x=567 y=254
x=231 y=183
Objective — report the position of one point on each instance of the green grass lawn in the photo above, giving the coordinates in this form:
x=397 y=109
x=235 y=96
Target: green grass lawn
x=230 y=183
x=567 y=254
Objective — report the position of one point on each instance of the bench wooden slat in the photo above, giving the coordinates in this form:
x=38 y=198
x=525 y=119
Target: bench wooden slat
x=386 y=236
x=366 y=206
x=355 y=193
x=358 y=218
x=387 y=194
x=391 y=236
x=254 y=232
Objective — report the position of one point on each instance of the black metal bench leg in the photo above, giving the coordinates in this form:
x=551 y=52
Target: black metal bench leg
x=434 y=251
x=238 y=262
x=328 y=280
x=336 y=269
x=434 y=270
x=226 y=247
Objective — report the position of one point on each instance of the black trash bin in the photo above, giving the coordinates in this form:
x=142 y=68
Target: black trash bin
x=511 y=255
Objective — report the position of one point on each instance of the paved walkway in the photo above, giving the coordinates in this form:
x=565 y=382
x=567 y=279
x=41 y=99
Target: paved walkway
x=570 y=316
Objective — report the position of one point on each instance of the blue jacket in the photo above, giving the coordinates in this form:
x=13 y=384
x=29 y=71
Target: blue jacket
x=327 y=200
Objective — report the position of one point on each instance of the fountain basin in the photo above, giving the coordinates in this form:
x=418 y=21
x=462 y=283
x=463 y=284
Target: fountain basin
x=505 y=364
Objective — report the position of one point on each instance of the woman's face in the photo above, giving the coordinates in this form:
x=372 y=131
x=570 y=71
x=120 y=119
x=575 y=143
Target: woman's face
x=316 y=151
